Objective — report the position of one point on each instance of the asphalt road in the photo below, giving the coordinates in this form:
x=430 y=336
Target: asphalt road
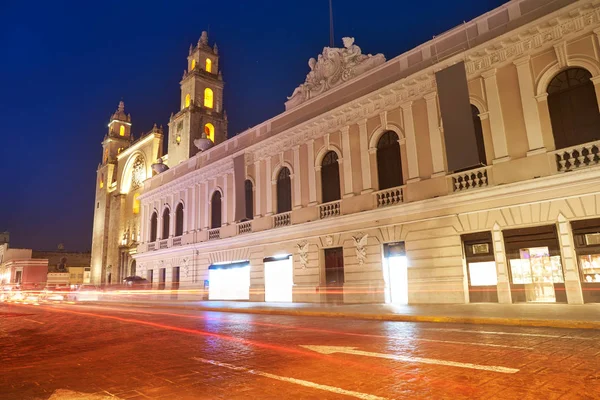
x=63 y=350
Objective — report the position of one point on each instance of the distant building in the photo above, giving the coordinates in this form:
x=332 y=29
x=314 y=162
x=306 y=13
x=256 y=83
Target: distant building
x=4 y=237
x=18 y=267
x=77 y=264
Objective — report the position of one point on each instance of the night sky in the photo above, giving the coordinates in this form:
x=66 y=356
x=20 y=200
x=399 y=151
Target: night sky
x=65 y=66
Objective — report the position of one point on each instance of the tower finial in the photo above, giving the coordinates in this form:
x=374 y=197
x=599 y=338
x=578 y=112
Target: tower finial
x=204 y=38
x=121 y=106
x=190 y=50
x=215 y=49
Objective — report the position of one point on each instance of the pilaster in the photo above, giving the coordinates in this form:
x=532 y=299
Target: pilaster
x=312 y=185
x=504 y=295
x=531 y=114
x=269 y=185
x=257 y=188
x=496 y=120
x=347 y=164
x=435 y=134
x=297 y=188
x=411 y=143
x=365 y=161
x=567 y=249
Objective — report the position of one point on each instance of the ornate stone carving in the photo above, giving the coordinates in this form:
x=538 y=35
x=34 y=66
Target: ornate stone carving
x=328 y=240
x=360 y=242
x=332 y=68
x=303 y=253
x=185 y=267
x=138 y=173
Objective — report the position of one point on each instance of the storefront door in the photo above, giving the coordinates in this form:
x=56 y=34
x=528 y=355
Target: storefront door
x=279 y=278
x=481 y=267
x=395 y=273
x=229 y=281
x=536 y=272
x=334 y=274
x=586 y=235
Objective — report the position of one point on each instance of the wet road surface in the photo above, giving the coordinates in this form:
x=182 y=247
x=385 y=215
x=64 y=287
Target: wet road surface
x=144 y=353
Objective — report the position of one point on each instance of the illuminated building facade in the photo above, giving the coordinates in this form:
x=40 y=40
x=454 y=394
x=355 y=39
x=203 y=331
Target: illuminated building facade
x=464 y=170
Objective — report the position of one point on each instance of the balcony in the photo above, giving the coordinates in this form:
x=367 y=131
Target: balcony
x=177 y=241
x=471 y=179
x=282 y=219
x=577 y=157
x=214 y=234
x=331 y=209
x=244 y=227
x=389 y=197
x=151 y=246
x=163 y=244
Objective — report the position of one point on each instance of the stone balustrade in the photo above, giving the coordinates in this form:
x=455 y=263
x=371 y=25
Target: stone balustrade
x=177 y=241
x=331 y=209
x=576 y=157
x=282 y=219
x=471 y=179
x=163 y=244
x=389 y=197
x=214 y=233
x=244 y=227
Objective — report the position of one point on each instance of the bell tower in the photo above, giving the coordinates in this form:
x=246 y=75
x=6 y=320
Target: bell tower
x=201 y=114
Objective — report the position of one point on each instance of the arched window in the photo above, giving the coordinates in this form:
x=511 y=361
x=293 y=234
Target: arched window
x=122 y=131
x=248 y=192
x=153 y=227
x=478 y=134
x=208 y=65
x=330 y=177
x=105 y=155
x=209 y=130
x=573 y=108
x=215 y=210
x=208 y=98
x=389 y=166
x=284 y=191
x=101 y=181
x=179 y=220
x=136 y=203
x=166 y=221
x=188 y=100
x=193 y=64
x=132 y=270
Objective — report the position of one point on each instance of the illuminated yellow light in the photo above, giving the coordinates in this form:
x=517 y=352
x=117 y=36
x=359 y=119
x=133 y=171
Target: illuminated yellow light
x=178 y=139
x=101 y=184
x=193 y=64
x=208 y=65
x=209 y=130
x=208 y=98
x=188 y=100
x=122 y=131
x=136 y=203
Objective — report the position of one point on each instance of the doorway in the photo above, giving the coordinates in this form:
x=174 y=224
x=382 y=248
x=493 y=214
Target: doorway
x=395 y=273
x=279 y=278
x=334 y=274
x=162 y=277
x=229 y=281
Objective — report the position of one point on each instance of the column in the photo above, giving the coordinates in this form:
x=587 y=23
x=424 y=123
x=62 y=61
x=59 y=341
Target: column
x=224 y=210
x=296 y=178
x=312 y=185
x=257 y=187
x=596 y=81
x=411 y=143
x=172 y=216
x=530 y=107
x=572 y=282
x=365 y=162
x=496 y=120
x=347 y=164
x=206 y=205
x=144 y=224
x=435 y=135
x=269 y=185
x=504 y=295
x=186 y=210
x=192 y=207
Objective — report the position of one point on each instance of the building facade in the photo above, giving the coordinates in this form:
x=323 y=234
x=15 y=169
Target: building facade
x=463 y=170
x=19 y=269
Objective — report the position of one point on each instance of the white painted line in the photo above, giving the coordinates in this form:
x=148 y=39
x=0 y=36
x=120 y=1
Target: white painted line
x=508 y=333
x=352 y=350
x=300 y=382
x=31 y=320
x=466 y=343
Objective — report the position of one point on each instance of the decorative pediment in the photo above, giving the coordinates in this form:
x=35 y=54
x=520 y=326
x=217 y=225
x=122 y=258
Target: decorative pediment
x=332 y=68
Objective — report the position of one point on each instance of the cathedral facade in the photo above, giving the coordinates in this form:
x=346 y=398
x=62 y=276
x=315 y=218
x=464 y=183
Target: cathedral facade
x=464 y=170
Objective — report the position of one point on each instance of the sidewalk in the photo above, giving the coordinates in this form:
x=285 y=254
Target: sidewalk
x=585 y=316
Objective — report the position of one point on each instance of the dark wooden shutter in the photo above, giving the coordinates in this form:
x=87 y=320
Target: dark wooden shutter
x=330 y=177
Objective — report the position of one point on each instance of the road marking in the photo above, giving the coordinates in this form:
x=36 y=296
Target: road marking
x=508 y=333
x=31 y=320
x=352 y=350
x=464 y=343
x=300 y=382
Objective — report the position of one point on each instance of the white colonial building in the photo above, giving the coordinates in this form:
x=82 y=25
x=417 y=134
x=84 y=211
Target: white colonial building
x=463 y=170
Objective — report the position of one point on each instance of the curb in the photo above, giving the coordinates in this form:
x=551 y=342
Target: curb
x=566 y=324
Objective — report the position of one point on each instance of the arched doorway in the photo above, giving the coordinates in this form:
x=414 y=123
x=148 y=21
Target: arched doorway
x=153 y=227
x=573 y=108
x=215 y=210
x=389 y=166
x=179 y=220
x=166 y=220
x=284 y=191
x=330 y=177
x=132 y=269
x=478 y=134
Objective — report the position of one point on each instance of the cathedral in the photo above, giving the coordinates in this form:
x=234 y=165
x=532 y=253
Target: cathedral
x=463 y=170
x=127 y=163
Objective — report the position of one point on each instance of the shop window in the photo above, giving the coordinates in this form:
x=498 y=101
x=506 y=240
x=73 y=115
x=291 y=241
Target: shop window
x=249 y=193
x=122 y=131
x=166 y=221
x=478 y=135
x=334 y=274
x=481 y=267
x=188 y=100
x=209 y=131
x=215 y=210
x=330 y=177
x=389 y=166
x=586 y=235
x=179 y=220
x=136 y=203
x=153 y=227
x=193 y=64
x=284 y=191
x=208 y=65
x=573 y=108
x=208 y=98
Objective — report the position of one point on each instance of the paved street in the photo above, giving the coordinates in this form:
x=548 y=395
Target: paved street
x=49 y=351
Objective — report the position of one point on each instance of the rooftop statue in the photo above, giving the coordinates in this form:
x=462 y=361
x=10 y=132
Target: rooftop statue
x=332 y=68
